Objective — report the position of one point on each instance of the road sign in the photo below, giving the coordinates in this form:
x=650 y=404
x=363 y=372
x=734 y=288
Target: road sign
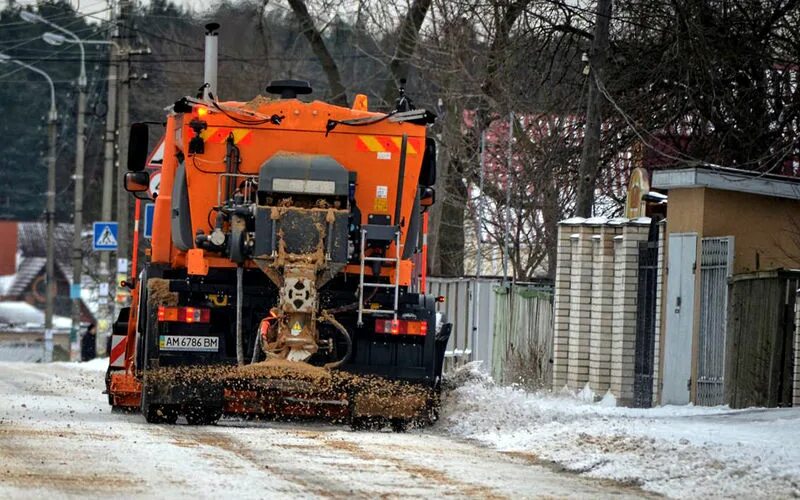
x=104 y=236
x=149 y=211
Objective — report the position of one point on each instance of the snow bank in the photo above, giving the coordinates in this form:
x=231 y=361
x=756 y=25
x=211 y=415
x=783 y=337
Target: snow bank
x=95 y=365
x=675 y=451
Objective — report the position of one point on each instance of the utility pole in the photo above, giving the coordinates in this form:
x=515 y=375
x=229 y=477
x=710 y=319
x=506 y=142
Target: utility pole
x=122 y=165
x=509 y=169
x=590 y=156
x=77 y=250
x=106 y=309
x=77 y=247
x=52 y=121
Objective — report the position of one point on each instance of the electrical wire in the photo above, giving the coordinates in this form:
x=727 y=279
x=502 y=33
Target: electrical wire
x=356 y=122
x=682 y=157
x=196 y=166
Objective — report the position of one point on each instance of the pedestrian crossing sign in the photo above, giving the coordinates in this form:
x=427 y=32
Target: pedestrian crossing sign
x=104 y=236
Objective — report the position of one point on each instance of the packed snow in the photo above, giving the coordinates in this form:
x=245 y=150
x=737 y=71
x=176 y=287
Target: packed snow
x=677 y=451
x=58 y=439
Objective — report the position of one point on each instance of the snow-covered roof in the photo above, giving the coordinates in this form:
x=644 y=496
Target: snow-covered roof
x=574 y=221
x=18 y=314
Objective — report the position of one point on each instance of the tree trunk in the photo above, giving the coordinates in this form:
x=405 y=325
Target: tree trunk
x=450 y=246
x=406 y=45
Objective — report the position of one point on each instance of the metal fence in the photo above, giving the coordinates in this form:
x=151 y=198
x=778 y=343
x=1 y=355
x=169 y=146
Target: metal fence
x=508 y=328
x=469 y=304
x=716 y=259
x=644 y=351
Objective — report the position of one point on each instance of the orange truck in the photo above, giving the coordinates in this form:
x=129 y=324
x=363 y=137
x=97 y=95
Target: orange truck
x=283 y=230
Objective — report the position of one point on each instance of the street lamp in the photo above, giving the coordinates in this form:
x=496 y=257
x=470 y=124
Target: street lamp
x=105 y=310
x=77 y=250
x=52 y=117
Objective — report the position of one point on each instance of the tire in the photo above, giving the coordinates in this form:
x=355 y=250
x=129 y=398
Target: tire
x=156 y=413
x=366 y=423
x=399 y=424
x=159 y=414
x=199 y=415
x=108 y=388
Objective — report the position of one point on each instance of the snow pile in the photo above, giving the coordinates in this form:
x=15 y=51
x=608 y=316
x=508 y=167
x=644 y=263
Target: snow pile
x=94 y=365
x=674 y=451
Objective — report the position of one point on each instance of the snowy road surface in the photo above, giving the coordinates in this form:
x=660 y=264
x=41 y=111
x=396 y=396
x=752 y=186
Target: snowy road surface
x=58 y=439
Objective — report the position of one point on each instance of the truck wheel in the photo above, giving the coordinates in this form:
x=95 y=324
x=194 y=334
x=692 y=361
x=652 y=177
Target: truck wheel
x=201 y=415
x=159 y=414
x=399 y=424
x=156 y=413
x=108 y=388
x=366 y=423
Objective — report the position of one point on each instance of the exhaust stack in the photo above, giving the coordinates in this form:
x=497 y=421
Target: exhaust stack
x=210 y=69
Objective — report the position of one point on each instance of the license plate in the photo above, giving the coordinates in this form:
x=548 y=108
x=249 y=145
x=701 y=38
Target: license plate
x=185 y=343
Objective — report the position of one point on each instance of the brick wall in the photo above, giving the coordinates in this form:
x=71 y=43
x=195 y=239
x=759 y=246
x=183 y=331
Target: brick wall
x=561 y=308
x=580 y=307
x=602 y=308
x=595 y=305
x=796 y=384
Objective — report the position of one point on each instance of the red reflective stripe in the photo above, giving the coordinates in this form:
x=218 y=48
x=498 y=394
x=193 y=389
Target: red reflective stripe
x=117 y=351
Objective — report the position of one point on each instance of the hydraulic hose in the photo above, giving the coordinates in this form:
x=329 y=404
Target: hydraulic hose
x=328 y=318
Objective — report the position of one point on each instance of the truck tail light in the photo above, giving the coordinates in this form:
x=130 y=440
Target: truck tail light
x=184 y=314
x=401 y=327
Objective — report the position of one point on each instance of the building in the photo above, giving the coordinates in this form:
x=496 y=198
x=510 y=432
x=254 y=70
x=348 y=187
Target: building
x=723 y=225
x=23 y=259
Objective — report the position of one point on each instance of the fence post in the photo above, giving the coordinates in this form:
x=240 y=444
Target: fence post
x=601 y=309
x=561 y=306
x=580 y=307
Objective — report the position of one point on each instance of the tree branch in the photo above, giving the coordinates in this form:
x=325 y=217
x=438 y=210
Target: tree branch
x=314 y=37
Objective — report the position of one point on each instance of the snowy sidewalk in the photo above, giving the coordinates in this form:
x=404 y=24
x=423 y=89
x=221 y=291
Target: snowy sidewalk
x=675 y=451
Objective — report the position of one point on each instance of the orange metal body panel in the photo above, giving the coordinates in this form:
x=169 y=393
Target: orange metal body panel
x=125 y=389
x=197 y=263
x=161 y=245
x=372 y=151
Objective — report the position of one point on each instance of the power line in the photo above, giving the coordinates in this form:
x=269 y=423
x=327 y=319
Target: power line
x=74 y=21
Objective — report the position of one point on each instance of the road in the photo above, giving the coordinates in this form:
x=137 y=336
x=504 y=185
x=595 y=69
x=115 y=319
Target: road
x=58 y=439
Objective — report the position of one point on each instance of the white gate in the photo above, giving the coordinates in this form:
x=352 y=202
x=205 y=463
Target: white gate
x=682 y=256
x=716 y=266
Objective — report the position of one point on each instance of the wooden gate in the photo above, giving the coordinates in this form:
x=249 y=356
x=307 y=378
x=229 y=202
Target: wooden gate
x=759 y=361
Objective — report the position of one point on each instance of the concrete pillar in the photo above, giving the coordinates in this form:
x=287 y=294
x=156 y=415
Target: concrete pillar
x=580 y=307
x=623 y=336
x=561 y=306
x=601 y=309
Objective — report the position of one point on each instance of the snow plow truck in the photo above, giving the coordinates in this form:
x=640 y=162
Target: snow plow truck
x=285 y=272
